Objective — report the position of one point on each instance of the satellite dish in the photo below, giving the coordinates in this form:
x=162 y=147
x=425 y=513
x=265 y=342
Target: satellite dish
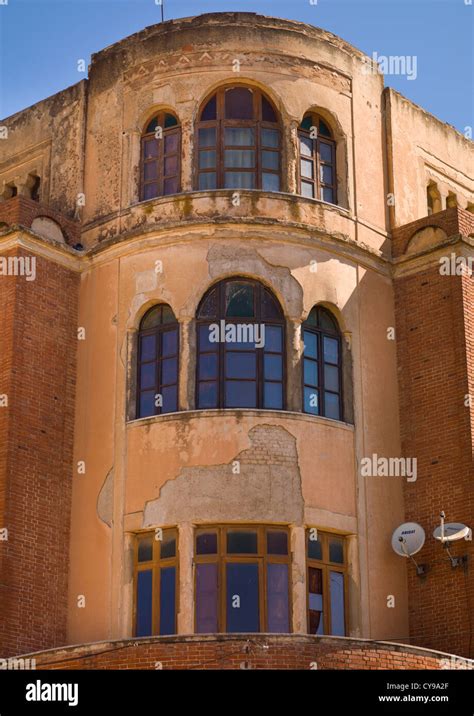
x=408 y=539
x=452 y=532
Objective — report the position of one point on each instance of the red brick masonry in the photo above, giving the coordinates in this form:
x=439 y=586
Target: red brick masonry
x=453 y=221
x=21 y=211
x=255 y=651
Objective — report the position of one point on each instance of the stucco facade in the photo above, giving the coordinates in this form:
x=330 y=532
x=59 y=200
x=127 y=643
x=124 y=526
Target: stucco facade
x=129 y=474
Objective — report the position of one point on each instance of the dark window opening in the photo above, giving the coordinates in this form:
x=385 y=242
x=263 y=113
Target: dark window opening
x=241 y=347
x=238 y=141
x=242 y=579
x=327 y=583
x=161 y=157
x=156 y=568
x=158 y=362
x=316 y=160
x=322 y=365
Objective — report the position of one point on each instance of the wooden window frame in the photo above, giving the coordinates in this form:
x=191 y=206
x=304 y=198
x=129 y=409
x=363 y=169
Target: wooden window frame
x=262 y=558
x=260 y=381
x=317 y=162
x=158 y=331
x=320 y=333
x=326 y=566
x=221 y=123
x=161 y=157
x=156 y=564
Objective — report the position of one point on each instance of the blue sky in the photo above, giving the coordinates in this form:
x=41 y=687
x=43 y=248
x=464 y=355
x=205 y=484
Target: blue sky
x=41 y=41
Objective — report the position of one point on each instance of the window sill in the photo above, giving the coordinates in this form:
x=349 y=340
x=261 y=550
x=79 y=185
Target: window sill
x=240 y=412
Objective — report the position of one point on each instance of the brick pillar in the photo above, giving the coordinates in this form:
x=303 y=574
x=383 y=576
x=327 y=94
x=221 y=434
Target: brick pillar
x=38 y=338
x=435 y=350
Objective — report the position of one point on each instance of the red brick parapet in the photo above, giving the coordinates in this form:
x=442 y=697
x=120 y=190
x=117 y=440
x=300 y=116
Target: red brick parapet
x=251 y=651
x=22 y=211
x=454 y=221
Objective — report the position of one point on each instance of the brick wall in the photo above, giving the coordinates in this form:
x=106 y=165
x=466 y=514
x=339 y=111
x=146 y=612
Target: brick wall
x=19 y=210
x=256 y=651
x=453 y=221
x=38 y=339
x=435 y=347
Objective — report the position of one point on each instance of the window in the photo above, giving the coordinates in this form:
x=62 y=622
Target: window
x=158 y=362
x=327 y=583
x=156 y=569
x=35 y=183
x=240 y=339
x=238 y=141
x=242 y=579
x=322 y=365
x=160 y=157
x=316 y=160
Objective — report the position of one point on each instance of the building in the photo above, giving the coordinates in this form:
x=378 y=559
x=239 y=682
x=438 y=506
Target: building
x=222 y=300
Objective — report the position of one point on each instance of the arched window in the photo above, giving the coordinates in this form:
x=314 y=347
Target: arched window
x=160 y=157
x=316 y=160
x=158 y=362
x=322 y=365
x=241 y=345
x=238 y=140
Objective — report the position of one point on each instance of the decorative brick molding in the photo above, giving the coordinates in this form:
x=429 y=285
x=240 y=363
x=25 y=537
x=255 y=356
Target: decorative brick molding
x=251 y=651
x=22 y=211
x=453 y=221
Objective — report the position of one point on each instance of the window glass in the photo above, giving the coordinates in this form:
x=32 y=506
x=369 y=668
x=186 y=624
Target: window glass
x=337 y=603
x=315 y=547
x=241 y=365
x=207 y=137
x=206 y=599
x=239 y=136
x=207 y=159
x=206 y=543
x=157 y=363
x=277 y=590
x=145 y=549
x=242 y=542
x=209 y=111
x=238 y=103
x=331 y=406
x=143 y=625
x=270 y=182
x=268 y=113
x=239 y=300
x=331 y=350
x=316 y=617
x=242 y=597
x=243 y=157
x=239 y=394
x=168 y=545
x=270 y=138
x=246 y=368
x=207 y=181
x=277 y=542
x=239 y=180
x=273 y=396
x=167 y=600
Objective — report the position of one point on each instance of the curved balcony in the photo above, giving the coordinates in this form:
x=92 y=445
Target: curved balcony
x=246 y=651
x=219 y=207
